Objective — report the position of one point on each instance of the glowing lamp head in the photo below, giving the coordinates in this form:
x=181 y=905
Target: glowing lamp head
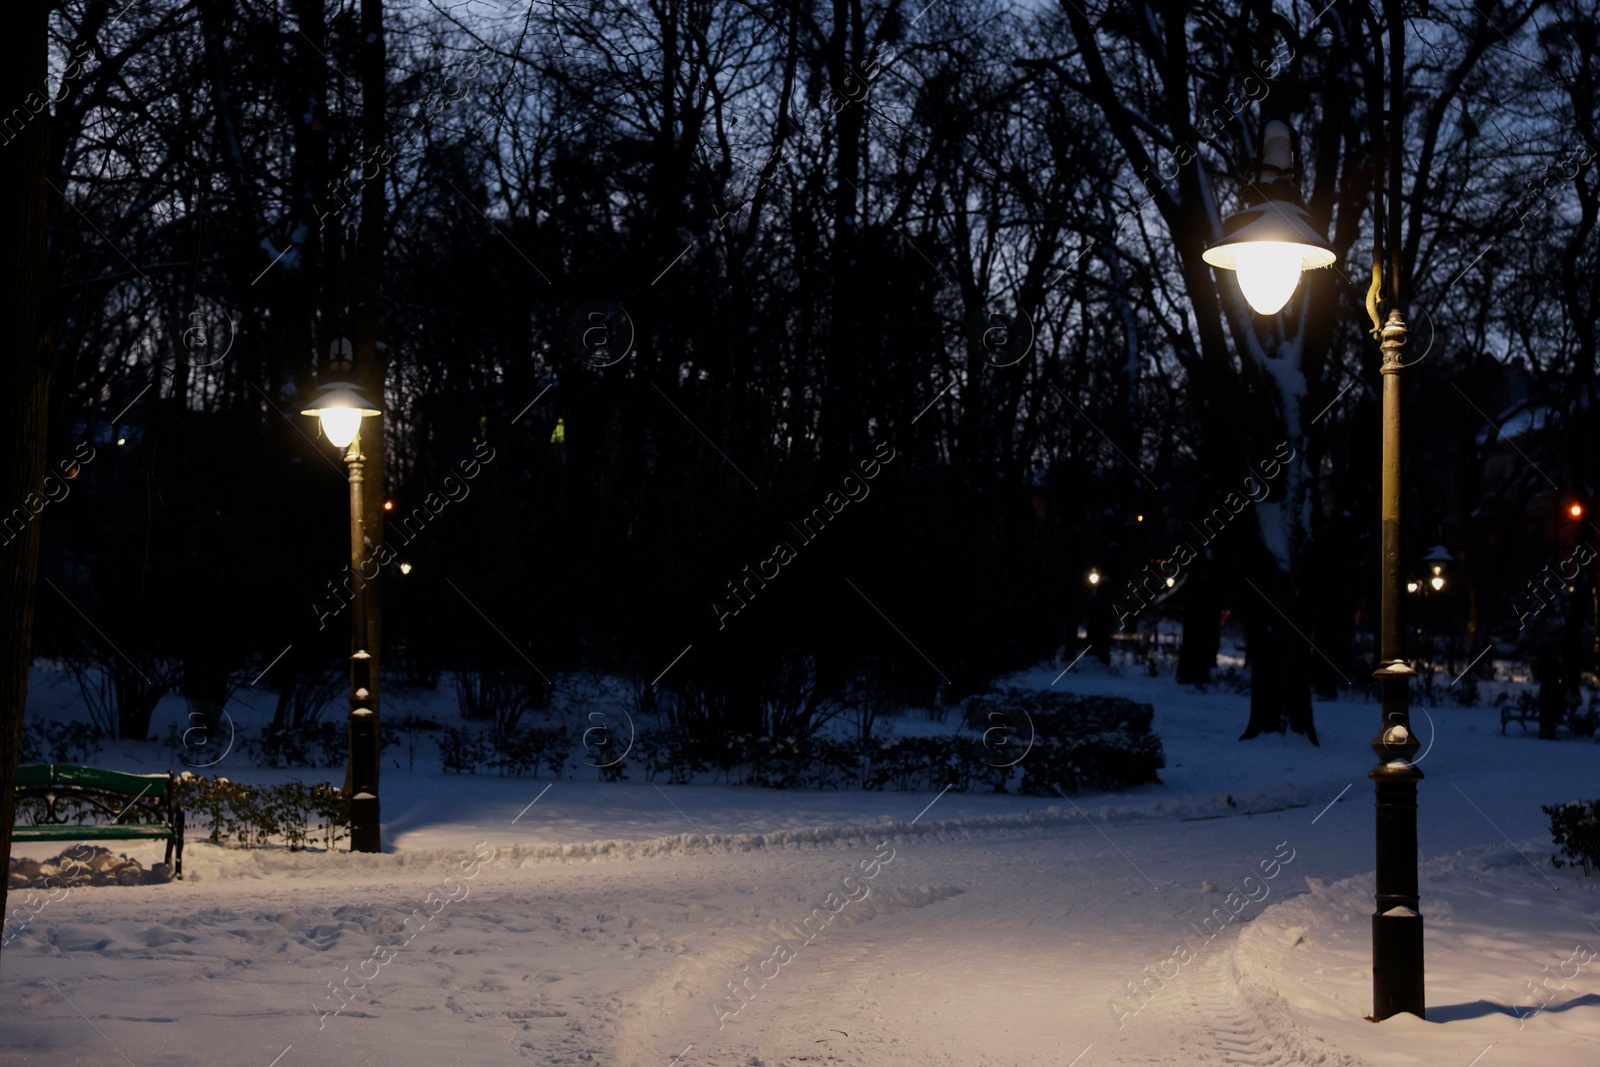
x=1437 y=583
x=1576 y=511
x=1412 y=587
x=1269 y=243
x=405 y=568
x=339 y=425
x=1094 y=577
x=1269 y=273
x=340 y=409
x=1268 y=246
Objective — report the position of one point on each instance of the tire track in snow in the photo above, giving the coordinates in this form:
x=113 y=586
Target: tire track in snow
x=679 y=1001
x=1245 y=1024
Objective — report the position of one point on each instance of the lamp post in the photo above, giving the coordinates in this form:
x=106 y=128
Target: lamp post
x=1268 y=244
x=339 y=410
x=1438 y=561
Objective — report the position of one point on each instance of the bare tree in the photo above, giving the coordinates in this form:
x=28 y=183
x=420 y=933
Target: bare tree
x=25 y=358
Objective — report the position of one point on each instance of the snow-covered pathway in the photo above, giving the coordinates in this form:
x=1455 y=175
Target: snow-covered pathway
x=709 y=926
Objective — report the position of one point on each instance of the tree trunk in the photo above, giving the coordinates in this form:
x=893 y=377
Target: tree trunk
x=205 y=688
x=1266 y=690
x=1280 y=697
x=845 y=46
x=1202 y=624
x=1552 y=697
x=24 y=384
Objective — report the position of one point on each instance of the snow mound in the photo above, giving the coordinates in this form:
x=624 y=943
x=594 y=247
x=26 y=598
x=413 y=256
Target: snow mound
x=86 y=866
x=1500 y=929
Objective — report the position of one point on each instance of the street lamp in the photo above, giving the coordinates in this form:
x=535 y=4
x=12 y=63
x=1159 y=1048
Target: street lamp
x=1287 y=244
x=1272 y=239
x=1438 y=558
x=339 y=410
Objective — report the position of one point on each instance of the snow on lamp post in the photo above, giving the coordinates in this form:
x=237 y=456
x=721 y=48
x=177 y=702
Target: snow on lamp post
x=1268 y=244
x=339 y=410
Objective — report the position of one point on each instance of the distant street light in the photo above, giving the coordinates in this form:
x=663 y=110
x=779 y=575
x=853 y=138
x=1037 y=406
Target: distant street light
x=339 y=410
x=1438 y=558
x=1094 y=577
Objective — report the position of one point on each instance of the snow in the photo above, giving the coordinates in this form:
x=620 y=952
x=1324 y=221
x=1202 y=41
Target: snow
x=1519 y=422
x=1221 y=917
x=289 y=257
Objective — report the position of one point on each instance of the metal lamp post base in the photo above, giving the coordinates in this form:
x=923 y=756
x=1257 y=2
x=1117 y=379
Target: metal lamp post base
x=1397 y=981
x=364 y=836
x=364 y=826
x=1397 y=972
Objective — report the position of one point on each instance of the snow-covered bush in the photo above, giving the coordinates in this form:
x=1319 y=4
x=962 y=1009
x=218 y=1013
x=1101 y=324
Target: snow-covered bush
x=496 y=696
x=410 y=729
x=838 y=764
x=294 y=746
x=516 y=752
x=1078 y=742
x=1069 y=713
x=780 y=763
x=1575 y=826
x=924 y=763
x=60 y=742
x=770 y=762
x=1106 y=761
x=313 y=744
x=511 y=752
x=252 y=816
x=461 y=750
x=675 y=752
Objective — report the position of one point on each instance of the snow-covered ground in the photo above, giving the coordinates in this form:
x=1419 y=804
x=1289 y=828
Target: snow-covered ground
x=633 y=924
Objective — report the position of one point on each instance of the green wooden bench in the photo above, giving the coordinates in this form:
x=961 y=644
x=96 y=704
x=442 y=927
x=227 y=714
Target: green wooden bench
x=56 y=799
